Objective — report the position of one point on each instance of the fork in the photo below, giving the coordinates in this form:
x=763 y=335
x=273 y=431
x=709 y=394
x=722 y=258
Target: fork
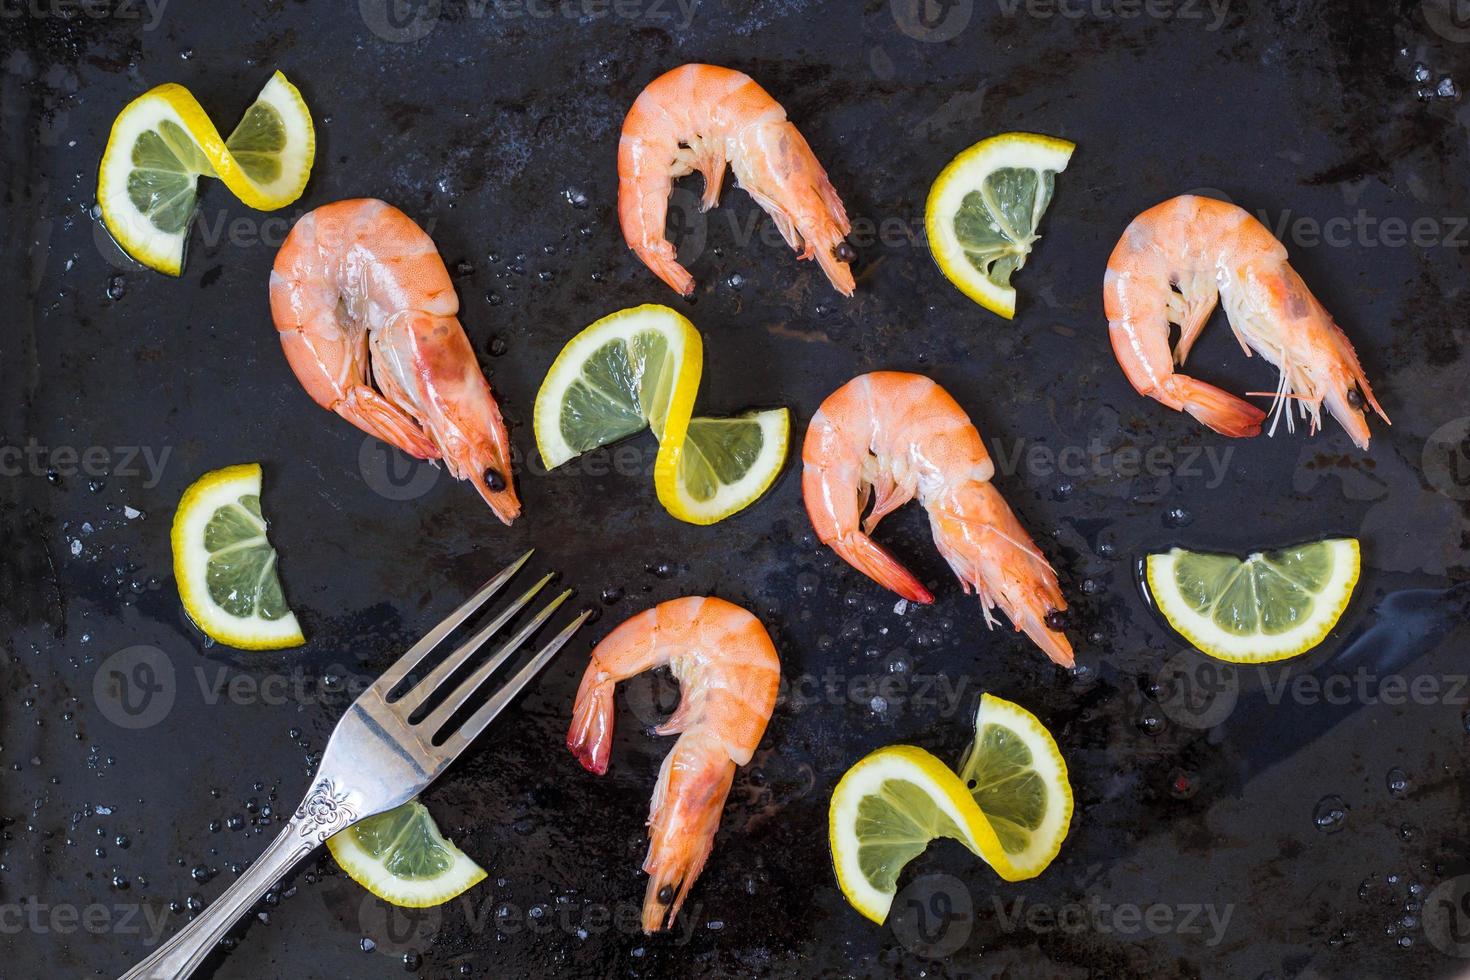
x=377 y=758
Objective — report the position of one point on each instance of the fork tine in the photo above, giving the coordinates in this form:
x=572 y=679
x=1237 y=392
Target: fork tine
x=463 y=692
x=390 y=678
x=432 y=681
x=477 y=722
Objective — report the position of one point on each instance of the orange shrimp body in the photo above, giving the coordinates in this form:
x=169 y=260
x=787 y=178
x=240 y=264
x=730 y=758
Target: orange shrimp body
x=700 y=117
x=728 y=676
x=897 y=436
x=1172 y=264
x=358 y=290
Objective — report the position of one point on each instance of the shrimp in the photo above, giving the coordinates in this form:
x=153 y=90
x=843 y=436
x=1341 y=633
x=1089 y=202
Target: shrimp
x=1171 y=265
x=699 y=117
x=728 y=674
x=359 y=292
x=904 y=436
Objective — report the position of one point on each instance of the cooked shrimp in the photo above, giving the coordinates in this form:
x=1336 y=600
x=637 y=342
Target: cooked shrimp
x=359 y=291
x=1170 y=266
x=728 y=675
x=699 y=117
x=904 y=436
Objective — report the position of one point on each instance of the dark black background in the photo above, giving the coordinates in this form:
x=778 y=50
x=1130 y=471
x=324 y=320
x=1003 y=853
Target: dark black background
x=490 y=130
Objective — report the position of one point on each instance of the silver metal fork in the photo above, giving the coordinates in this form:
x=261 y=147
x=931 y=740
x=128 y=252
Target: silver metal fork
x=377 y=759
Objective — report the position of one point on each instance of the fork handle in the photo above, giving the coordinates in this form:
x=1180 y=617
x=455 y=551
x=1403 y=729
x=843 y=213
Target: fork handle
x=324 y=812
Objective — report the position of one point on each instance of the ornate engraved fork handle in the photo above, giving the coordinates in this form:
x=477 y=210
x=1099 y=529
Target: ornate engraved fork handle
x=326 y=810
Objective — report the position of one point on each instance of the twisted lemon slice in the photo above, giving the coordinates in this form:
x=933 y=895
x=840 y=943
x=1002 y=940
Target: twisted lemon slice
x=1010 y=804
x=640 y=368
x=162 y=143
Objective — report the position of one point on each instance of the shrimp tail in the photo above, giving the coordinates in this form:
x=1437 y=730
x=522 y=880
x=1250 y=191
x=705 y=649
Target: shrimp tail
x=661 y=257
x=869 y=557
x=682 y=820
x=1220 y=410
x=590 y=736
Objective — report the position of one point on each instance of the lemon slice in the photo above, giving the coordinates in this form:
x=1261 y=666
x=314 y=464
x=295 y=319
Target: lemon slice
x=225 y=565
x=162 y=143
x=633 y=369
x=724 y=465
x=891 y=804
x=984 y=211
x=640 y=368
x=1267 y=607
x=401 y=857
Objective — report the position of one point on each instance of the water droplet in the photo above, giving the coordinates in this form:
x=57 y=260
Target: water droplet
x=367 y=945
x=576 y=198
x=1150 y=723
x=1398 y=783
x=498 y=346
x=116 y=287
x=1446 y=88
x=1421 y=72
x=612 y=594
x=1178 y=517
x=464 y=267
x=878 y=704
x=1330 y=814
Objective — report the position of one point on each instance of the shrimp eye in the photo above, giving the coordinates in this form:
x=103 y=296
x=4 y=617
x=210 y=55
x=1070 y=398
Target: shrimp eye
x=494 y=480
x=666 y=894
x=1355 y=397
x=844 y=252
x=1056 y=620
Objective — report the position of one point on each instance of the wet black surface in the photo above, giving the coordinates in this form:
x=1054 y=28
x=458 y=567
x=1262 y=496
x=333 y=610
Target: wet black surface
x=1241 y=794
